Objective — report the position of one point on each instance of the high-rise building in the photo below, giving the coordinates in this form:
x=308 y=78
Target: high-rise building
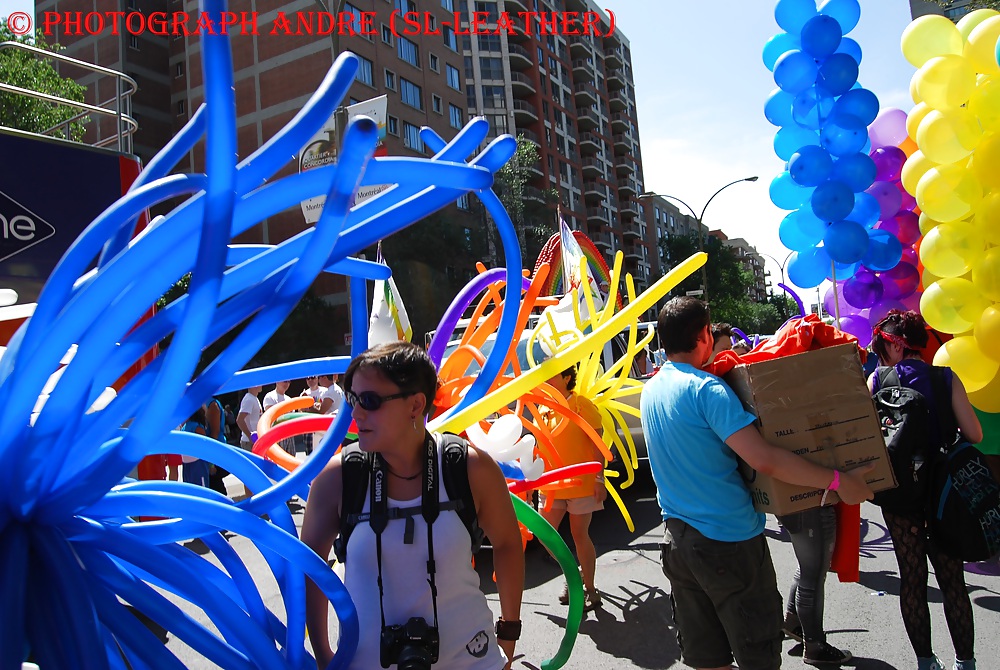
x=751 y=261
x=954 y=10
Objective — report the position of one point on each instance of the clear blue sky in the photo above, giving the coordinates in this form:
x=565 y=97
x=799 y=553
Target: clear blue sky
x=700 y=90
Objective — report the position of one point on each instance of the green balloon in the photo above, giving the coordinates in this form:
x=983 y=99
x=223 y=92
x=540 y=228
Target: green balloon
x=551 y=540
x=991 y=433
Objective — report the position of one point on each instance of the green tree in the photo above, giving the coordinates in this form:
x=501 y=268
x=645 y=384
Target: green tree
x=27 y=70
x=974 y=4
x=534 y=220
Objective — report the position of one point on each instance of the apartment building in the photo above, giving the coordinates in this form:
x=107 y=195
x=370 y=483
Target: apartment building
x=954 y=10
x=752 y=261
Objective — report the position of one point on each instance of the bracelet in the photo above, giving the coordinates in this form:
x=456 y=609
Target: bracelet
x=508 y=631
x=834 y=485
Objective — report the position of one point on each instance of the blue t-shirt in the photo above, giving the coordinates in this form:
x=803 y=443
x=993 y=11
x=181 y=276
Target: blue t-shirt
x=687 y=415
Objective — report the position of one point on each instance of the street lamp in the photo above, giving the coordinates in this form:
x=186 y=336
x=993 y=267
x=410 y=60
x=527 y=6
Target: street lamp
x=701 y=237
x=781 y=265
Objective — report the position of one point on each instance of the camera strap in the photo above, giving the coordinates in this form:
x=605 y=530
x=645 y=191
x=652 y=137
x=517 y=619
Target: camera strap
x=430 y=509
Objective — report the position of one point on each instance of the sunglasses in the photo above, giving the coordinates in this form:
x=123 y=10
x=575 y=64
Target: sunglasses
x=371 y=401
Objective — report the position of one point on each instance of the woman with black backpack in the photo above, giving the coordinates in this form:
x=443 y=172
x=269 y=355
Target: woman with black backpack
x=897 y=341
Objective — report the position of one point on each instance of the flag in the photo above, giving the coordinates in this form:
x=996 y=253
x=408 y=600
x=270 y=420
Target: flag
x=572 y=258
x=388 y=321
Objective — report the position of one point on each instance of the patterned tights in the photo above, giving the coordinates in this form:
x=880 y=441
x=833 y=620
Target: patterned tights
x=913 y=547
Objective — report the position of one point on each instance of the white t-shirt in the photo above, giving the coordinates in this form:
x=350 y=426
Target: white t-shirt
x=272 y=398
x=336 y=394
x=250 y=406
x=316 y=395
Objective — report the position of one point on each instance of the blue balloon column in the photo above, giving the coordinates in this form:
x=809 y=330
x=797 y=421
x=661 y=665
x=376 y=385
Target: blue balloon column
x=72 y=546
x=830 y=183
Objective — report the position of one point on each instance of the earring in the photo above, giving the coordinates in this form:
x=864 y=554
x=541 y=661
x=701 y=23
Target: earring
x=414 y=419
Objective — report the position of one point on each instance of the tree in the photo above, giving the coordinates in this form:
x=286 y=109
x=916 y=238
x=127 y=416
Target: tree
x=974 y=4
x=27 y=70
x=533 y=220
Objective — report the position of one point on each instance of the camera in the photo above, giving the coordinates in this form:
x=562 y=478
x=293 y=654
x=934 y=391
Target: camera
x=411 y=646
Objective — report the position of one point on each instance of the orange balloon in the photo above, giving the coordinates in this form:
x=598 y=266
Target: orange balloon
x=908 y=146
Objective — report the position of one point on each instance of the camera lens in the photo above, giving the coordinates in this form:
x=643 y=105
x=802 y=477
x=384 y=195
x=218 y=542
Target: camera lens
x=414 y=658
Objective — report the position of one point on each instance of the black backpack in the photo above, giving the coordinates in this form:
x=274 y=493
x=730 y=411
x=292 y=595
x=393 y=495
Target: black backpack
x=357 y=467
x=905 y=415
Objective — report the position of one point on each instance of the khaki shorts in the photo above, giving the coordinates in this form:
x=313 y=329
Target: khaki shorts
x=585 y=505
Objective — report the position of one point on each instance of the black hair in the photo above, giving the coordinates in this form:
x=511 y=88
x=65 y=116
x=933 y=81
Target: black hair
x=200 y=417
x=680 y=323
x=404 y=364
x=909 y=326
x=571 y=373
x=720 y=330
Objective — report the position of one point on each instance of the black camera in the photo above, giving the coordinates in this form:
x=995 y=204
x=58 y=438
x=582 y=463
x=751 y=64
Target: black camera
x=411 y=646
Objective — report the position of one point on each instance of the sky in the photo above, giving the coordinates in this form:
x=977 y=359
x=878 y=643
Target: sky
x=701 y=85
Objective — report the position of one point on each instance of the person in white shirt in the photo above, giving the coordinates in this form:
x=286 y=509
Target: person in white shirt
x=249 y=415
x=315 y=391
x=333 y=398
x=272 y=398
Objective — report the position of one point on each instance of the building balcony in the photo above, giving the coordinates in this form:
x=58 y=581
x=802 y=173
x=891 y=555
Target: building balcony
x=627 y=188
x=615 y=80
x=623 y=141
x=633 y=252
x=521 y=85
x=535 y=170
x=631 y=230
x=533 y=193
x=623 y=168
x=583 y=68
x=589 y=144
x=516 y=6
x=579 y=48
x=602 y=240
x=530 y=135
x=520 y=59
x=618 y=101
x=587 y=119
x=628 y=210
x=524 y=112
x=593 y=168
x=598 y=214
x=585 y=95
x=620 y=122
x=517 y=32
x=613 y=58
x=595 y=192
x=612 y=40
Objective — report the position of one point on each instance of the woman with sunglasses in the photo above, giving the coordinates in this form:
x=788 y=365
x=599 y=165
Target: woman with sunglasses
x=898 y=340
x=391 y=390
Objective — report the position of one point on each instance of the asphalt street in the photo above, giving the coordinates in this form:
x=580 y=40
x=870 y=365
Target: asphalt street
x=634 y=628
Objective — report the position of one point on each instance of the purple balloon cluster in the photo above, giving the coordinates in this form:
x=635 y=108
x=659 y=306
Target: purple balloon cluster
x=864 y=298
x=835 y=190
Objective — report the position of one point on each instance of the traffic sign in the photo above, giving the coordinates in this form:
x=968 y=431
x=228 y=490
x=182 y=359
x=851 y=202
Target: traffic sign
x=695 y=292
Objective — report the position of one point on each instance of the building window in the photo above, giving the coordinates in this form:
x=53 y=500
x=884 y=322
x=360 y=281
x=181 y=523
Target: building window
x=463 y=202
x=408 y=51
x=449 y=38
x=411 y=137
x=405 y=6
x=494 y=97
x=488 y=42
x=133 y=42
x=455 y=116
x=179 y=69
x=490 y=68
x=448 y=4
x=454 y=79
x=436 y=103
x=181 y=107
x=392 y=126
x=390 y=80
x=470 y=97
x=386 y=34
x=410 y=94
x=365 y=70
x=434 y=64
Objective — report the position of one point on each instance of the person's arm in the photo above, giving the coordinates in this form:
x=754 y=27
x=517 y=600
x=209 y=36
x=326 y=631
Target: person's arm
x=965 y=415
x=497 y=519
x=320 y=526
x=214 y=417
x=241 y=421
x=788 y=467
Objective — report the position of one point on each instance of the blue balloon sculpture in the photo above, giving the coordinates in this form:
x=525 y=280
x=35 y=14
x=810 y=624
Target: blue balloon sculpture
x=823 y=117
x=72 y=545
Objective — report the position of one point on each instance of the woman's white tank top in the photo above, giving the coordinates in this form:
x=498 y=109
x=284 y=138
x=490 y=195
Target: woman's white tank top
x=465 y=620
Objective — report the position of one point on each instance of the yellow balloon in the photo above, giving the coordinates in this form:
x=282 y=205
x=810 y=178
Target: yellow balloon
x=952 y=249
x=927 y=224
x=986 y=161
x=964 y=357
x=986 y=274
x=930 y=36
x=915 y=167
x=948 y=192
x=927 y=279
x=946 y=82
x=987 y=399
x=914 y=118
x=952 y=305
x=988 y=217
x=969 y=22
x=946 y=137
x=987 y=332
x=981 y=48
x=984 y=103
x=914 y=94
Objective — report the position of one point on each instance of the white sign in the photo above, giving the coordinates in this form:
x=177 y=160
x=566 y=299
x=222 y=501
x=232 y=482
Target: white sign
x=20 y=228
x=322 y=149
x=695 y=292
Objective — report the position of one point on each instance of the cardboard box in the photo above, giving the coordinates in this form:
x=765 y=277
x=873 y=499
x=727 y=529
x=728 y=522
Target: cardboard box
x=817 y=405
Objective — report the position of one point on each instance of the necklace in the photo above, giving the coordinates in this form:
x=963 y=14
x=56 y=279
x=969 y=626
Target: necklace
x=405 y=479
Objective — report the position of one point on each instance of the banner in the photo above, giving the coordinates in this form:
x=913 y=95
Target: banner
x=389 y=321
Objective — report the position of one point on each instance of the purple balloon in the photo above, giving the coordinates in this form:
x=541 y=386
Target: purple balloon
x=888 y=129
x=912 y=301
x=883 y=307
x=901 y=281
x=863 y=290
x=858 y=326
x=910 y=256
x=888 y=197
x=833 y=300
x=909 y=203
x=888 y=163
x=905 y=226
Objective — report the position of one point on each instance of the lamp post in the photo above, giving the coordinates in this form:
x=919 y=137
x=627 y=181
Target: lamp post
x=781 y=266
x=701 y=237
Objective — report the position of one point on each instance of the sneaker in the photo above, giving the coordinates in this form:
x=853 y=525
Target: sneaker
x=564 y=596
x=791 y=628
x=822 y=653
x=966 y=665
x=593 y=601
x=932 y=663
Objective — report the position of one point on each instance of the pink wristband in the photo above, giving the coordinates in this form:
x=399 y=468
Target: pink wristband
x=835 y=484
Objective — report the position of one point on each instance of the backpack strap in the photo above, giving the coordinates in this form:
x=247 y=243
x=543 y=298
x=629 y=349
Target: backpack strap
x=355 y=470
x=947 y=421
x=886 y=375
x=454 y=459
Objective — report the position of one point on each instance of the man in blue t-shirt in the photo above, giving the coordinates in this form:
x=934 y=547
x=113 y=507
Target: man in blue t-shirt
x=723 y=589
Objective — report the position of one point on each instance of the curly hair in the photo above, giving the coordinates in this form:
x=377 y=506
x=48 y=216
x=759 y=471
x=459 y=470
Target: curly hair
x=404 y=364
x=906 y=329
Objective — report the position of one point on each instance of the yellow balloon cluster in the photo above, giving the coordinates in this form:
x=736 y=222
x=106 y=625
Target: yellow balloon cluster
x=955 y=177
